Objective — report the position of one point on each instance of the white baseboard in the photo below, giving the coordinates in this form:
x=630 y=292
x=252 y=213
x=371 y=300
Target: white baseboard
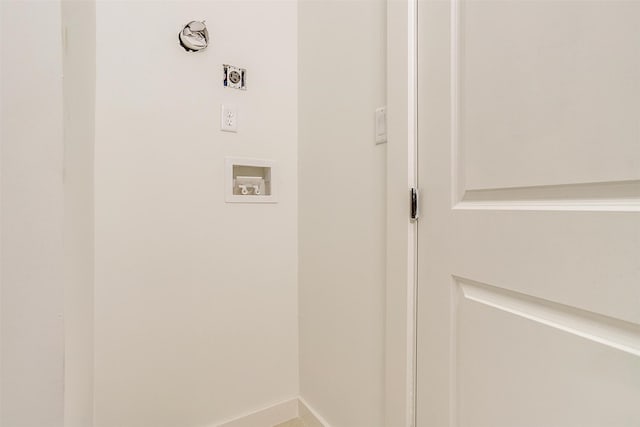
x=267 y=417
x=310 y=417
x=279 y=413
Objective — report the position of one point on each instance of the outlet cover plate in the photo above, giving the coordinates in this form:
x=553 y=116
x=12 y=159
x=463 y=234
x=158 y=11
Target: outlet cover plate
x=228 y=118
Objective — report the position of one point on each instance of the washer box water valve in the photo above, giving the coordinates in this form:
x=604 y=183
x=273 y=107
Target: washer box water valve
x=249 y=181
x=244 y=185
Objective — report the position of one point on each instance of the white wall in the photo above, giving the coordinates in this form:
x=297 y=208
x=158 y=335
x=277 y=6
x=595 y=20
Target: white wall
x=78 y=25
x=32 y=347
x=342 y=210
x=195 y=299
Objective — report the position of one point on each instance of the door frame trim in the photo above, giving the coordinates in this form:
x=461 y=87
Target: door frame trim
x=401 y=294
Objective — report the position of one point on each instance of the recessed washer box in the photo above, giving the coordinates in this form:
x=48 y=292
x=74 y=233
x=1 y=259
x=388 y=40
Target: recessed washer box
x=250 y=180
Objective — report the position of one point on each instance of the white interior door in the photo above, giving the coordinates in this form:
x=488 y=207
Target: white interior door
x=529 y=241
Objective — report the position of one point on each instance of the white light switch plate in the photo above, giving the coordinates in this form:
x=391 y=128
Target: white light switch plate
x=229 y=118
x=381 y=125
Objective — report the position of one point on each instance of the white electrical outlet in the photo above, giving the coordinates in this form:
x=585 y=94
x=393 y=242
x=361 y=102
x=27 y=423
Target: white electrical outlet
x=229 y=118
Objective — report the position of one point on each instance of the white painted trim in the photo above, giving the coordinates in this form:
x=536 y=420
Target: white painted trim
x=266 y=417
x=279 y=413
x=310 y=417
x=412 y=177
x=400 y=346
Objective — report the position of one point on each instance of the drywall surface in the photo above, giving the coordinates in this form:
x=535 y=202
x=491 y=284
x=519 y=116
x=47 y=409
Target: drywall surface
x=78 y=26
x=195 y=299
x=32 y=282
x=342 y=210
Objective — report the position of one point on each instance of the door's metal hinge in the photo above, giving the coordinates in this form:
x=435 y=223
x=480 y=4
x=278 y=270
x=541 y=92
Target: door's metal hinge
x=414 y=196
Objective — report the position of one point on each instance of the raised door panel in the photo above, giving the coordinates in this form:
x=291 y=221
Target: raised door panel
x=525 y=362
x=548 y=93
